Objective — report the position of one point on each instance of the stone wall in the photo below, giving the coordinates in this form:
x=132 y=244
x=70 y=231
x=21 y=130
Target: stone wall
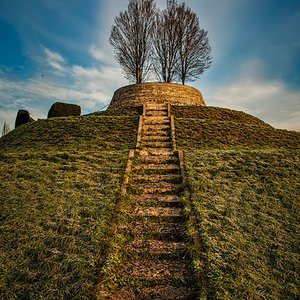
x=137 y=94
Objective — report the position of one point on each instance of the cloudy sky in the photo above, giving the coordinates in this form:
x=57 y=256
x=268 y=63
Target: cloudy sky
x=58 y=50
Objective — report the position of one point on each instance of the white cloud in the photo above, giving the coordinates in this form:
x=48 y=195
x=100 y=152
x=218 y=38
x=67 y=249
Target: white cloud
x=269 y=100
x=53 y=56
x=98 y=54
x=55 y=61
x=92 y=88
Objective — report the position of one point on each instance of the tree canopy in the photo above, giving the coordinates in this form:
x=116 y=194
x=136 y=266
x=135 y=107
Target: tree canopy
x=167 y=43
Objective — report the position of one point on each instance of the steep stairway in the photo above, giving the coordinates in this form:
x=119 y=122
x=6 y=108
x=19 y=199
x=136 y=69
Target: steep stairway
x=155 y=260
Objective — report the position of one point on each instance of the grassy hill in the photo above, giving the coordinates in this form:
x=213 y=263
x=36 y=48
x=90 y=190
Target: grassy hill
x=60 y=180
x=243 y=177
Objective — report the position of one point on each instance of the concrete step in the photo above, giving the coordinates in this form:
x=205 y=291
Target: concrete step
x=156 y=247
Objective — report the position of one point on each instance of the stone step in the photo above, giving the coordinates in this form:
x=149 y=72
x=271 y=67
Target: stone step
x=155 y=113
x=156 y=247
x=156 y=133
x=156 y=121
x=156 y=198
x=156 y=144
x=158 y=159
x=157 y=292
x=156 y=138
x=157 y=212
x=153 y=270
x=156 y=106
x=156 y=188
x=171 y=178
x=162 y=230
x=156 y=127
x=152 y=166
x=156 y=152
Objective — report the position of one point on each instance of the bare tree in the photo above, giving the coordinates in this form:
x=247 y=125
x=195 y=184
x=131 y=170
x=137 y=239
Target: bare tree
x=166 y=42
x=194 y=50
x=131 y=37
x=5 y=129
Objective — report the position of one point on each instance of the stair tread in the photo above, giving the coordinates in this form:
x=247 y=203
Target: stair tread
x=171 y=230
x=158 y=211
x=159 y=133
x=158 y=166
x=159 y=198
x=153 y=269
x=155 y=184
x=158 y=177
x=161 y=159
x=156 y=138
x=156 y=246
x=156 y=152
x=166 y=292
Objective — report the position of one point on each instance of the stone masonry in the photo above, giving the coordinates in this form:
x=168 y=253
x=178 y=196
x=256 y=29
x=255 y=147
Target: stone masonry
x=173 y=93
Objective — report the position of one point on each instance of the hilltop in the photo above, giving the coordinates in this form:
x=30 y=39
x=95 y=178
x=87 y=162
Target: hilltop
x=61 y=180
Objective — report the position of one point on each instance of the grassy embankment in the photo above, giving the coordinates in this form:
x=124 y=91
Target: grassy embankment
x=244 y=181
x=60 y=180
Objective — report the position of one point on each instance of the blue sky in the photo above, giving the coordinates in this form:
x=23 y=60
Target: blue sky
x=54 y=50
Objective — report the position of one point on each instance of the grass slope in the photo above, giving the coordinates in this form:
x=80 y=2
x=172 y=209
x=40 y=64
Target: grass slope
x=244 y=182
x=60 y=180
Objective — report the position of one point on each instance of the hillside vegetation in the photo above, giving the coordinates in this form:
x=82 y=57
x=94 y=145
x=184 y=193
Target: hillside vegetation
x=60 y=180
x=243 y=177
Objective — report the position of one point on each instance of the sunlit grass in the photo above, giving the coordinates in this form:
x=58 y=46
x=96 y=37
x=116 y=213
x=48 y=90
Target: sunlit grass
x=219 y=128
x=248 y=206
x=60 y=180
x=243 y=177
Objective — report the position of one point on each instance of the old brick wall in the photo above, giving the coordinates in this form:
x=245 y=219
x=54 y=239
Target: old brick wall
x=137 y=94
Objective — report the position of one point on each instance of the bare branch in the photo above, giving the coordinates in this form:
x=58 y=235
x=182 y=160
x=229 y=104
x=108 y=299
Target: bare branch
x=131 y=37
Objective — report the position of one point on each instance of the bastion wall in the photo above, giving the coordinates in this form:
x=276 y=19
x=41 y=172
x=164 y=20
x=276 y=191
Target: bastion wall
x=138 y=94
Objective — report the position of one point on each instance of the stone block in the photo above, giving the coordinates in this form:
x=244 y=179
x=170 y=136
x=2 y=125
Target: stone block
x=23 y=117
x=60 y=109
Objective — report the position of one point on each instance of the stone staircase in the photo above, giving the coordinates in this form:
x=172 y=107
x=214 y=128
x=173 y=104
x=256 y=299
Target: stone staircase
x=155 y=260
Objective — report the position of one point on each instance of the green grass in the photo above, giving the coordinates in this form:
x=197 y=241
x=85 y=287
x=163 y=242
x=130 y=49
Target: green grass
x=60 y=180
x=216 y=114
x=84 y=133
x=247 y=204
x=217 y=128
x=243 y=177
x=121 y=111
